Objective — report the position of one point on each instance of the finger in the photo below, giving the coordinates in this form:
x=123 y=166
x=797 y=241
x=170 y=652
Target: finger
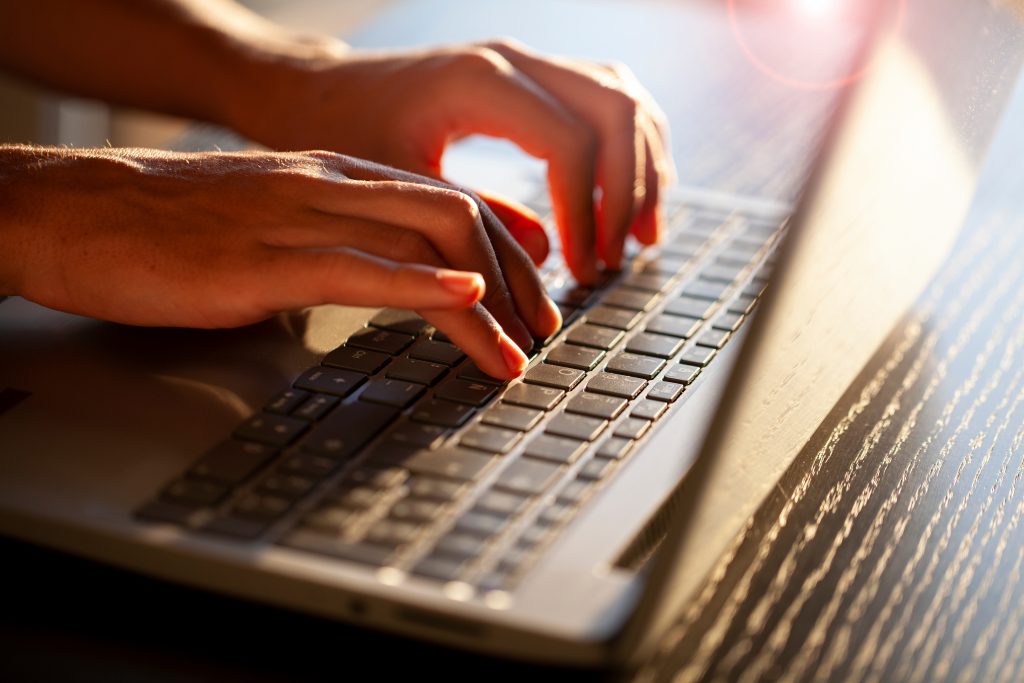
x=597 y=98
x=488 y=96
x=291 y=278
x=649 y=223
x=449 y=219
x=522 y=223
x=477 y=333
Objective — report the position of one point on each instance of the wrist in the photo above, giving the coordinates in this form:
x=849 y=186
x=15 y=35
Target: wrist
x=273 y=77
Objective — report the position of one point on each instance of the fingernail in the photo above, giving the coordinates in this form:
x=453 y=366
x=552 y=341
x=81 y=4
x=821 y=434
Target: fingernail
x=469 y=286
x=550 y=318
x=515 y=359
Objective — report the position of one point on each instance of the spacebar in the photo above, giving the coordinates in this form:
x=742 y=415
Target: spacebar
x=347 y=429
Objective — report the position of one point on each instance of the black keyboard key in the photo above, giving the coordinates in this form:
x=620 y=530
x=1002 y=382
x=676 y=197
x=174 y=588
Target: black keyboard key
x=720 y=272
x=654 y=345
x=434 y=351
x=398 y=320
x=533 y=536
x=556 y=514
x=512 y=417
x=436 y=489
x=690 y=307
x=714 y=339
x=555 y=448
x=729 y=322
x=632 y=428
x=308 y=465
x=418 y=371
x=442 y=413
x=702 y=289
x=596 y=468
x=356 y=360
x=616 y=447
x=742 y=304
x=666 y=264
x=286 y=401
x=529 y=477
x=579 y=427
x=261 y=507
x=232 y=461
x=648 y=282
x=276 y=430
x=631 y=299
x=375 y=477
x=648 y=409
x=595 y=336
x=453 y=463
x=617 y=318
x=682 y=374
x=416 y=510
x=596 y=405
x=393 y=532
x=316 y=407
x=570 y=294
x=360 y=498
x=419 y=435
x=392 y=392
x=460 y=545
x=194 y=493
x=697 y=355
x=616 y=385
x=635 y=365
x=332 y=519
x=673 y=325
x=553 y=376
x=501 y=503
x=391 y=343
x=572 y=356
x=466 y=392
x=472 y=373
x=328 y=381
x=290 y=486
x=321 y=544
x=665 y=391
x=533 y=396
x=489 y=439
x=476 y=523
x=348 y=429
x=441 y=568
x=575 y=492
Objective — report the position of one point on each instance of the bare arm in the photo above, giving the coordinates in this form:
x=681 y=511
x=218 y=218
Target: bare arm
x=194 y=58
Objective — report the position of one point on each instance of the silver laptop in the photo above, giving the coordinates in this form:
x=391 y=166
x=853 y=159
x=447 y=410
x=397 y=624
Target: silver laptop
x=355 y=465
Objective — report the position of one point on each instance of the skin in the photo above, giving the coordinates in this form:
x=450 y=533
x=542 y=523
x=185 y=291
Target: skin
x=216 y=240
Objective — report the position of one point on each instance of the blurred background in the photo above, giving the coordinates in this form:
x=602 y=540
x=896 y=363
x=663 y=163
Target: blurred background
x=30 y=114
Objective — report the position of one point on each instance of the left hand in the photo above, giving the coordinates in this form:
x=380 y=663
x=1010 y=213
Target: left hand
x=597 y=128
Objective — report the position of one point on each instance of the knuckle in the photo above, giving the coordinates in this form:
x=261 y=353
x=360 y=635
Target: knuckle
x=462 y=210
x=503 y=44
x=621 y=107
x=477 y=60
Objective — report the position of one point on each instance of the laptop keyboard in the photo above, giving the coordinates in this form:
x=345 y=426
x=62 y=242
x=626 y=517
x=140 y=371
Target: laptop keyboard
x=397 y=451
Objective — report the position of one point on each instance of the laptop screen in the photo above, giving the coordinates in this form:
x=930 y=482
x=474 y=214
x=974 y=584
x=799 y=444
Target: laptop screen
x=885 y=202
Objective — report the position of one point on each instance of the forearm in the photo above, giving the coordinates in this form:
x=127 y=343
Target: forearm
x=198 y=58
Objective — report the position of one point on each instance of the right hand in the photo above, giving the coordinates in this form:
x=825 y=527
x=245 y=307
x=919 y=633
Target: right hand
x=222 y=240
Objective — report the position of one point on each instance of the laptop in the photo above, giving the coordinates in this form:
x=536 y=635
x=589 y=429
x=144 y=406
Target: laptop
x=355 y=465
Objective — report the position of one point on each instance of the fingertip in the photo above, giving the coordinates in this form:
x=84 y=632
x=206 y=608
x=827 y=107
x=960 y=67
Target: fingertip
x=515 y=359
x=467 y=286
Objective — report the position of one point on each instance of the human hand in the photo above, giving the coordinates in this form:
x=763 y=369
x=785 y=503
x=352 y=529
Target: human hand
x=221 y=240
x=597 y=128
